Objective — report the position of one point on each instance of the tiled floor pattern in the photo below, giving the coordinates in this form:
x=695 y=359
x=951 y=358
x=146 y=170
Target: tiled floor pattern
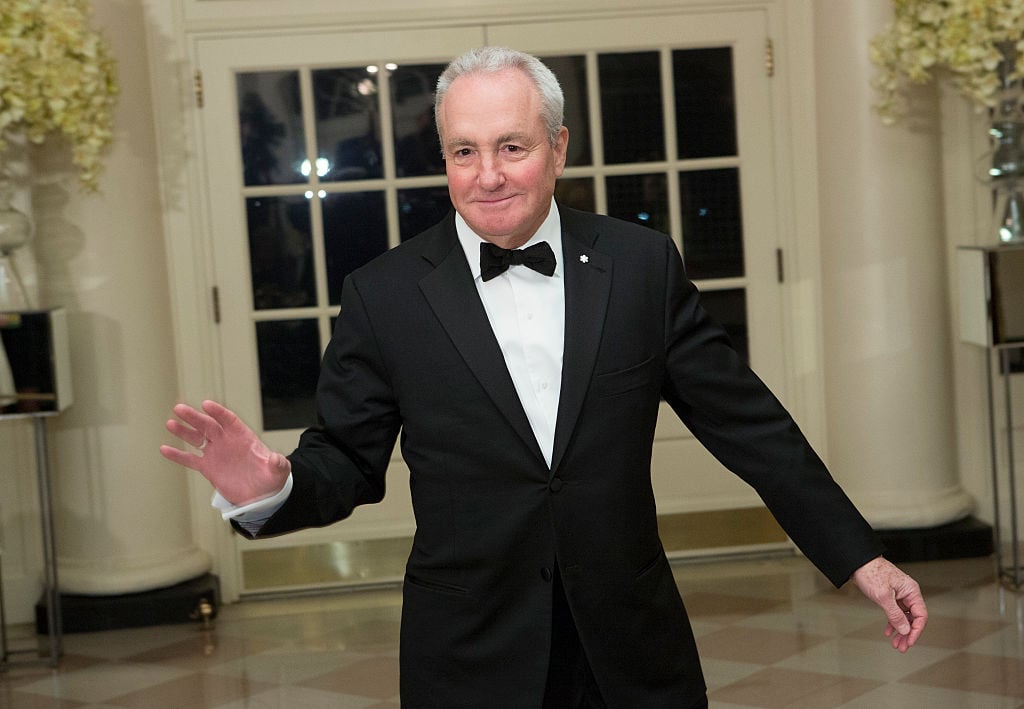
x=772 y=634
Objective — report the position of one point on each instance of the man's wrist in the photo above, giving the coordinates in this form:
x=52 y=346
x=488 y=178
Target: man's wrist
x=258 y=509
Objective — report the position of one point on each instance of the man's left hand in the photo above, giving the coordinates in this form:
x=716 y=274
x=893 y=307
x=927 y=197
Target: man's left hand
x=899 y=596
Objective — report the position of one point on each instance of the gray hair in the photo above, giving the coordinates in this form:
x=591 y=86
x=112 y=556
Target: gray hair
x=490 y=60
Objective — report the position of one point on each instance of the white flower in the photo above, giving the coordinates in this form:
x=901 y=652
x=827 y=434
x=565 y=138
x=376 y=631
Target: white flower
x=57 y=75
x=960 y=39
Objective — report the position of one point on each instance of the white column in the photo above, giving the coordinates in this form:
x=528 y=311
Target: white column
x=122 y=512
x=889 y=388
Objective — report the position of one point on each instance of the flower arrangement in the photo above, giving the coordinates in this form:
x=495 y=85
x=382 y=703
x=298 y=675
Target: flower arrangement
x=57 y=75
x=967 y=39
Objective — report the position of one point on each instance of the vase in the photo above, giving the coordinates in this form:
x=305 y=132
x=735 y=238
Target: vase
x=15 y=232
x=1006 y=170
x=15 y=227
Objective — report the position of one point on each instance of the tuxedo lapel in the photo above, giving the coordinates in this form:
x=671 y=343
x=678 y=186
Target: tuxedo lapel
x=451 y=293
x=588 y=279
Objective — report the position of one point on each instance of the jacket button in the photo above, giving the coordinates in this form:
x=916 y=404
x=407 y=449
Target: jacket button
x=546 y=574
x=555 y=485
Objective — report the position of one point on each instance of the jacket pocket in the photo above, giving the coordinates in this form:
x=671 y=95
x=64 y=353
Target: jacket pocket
x=624 y=380
x=438 y=586
x=651 y=565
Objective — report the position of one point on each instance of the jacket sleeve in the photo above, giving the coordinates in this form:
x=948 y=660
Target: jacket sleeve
x=735 y=416
x=341 y=461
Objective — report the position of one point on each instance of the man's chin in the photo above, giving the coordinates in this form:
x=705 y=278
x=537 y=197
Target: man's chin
x=493 y=230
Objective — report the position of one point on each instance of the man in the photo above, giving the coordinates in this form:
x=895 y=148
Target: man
x=526 y=401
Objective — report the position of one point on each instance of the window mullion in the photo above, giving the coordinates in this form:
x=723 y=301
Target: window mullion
x=596 y=135
x=675 y=217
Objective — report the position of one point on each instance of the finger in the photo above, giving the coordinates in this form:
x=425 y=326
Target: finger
x=180 y=457
x=905 y=641
x=223 y=416
x=281 y=464
x=186 y=433
x=897 y=641
x=918 y=620
x=896 y=617
x=196 y=419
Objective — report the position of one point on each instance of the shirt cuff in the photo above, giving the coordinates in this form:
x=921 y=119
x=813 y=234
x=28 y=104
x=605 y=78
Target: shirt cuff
x=261 y=509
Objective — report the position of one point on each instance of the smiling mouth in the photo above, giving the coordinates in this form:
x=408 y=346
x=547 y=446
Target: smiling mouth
x=494 y=200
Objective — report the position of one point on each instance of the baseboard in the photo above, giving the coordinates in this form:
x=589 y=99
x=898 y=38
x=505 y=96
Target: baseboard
x=163 y=606
x=963 y=539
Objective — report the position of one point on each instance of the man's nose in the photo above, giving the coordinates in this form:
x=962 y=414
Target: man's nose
x=492 y=174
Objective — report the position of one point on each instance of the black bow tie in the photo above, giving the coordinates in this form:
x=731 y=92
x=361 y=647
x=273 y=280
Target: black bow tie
x=495 y=260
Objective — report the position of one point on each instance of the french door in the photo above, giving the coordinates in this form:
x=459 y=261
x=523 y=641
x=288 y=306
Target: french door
x=319 y=153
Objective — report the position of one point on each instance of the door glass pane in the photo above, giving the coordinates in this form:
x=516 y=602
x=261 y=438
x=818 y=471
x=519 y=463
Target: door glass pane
x=421 y=208
x=280 y=252
x=729 y=309
x=347 y=124
x=270 y=127
x=631 y=110
x=417 y=149
x=572 y=75
x=705 y=106
x=289 y=361
x=576 y=192
x=355 y=230
x=712 y=225
x=642 y=199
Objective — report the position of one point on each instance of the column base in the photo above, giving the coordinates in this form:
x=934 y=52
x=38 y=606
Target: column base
x=163 y=606
x=963 y=539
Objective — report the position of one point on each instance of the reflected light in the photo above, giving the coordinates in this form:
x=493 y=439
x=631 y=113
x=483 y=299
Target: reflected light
x=309 y=194
x=323 y=167
x=372 y=69
x=644 y=216
x=390 y=66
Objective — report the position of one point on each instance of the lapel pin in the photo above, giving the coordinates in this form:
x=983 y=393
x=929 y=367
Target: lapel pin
x=584 y=258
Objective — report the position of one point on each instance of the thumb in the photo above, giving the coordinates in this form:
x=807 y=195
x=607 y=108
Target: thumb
x=280 y=463
x=895 y=614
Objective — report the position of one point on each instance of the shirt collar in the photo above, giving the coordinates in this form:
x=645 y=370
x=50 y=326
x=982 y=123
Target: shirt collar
x=550 y=231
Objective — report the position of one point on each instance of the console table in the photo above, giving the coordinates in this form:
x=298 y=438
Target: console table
x=54 y=649
x=36 y=385
x=992 y=316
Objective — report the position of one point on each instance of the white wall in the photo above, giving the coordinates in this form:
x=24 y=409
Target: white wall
x=102 y=257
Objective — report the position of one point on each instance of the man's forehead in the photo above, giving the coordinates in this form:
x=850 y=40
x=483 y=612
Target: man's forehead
x=473 y=83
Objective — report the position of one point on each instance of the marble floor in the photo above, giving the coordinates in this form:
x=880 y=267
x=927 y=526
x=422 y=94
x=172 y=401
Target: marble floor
x=772 y=633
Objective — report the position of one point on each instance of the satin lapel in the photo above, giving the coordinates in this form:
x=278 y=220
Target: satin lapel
x=588 y=280
x=451 y=293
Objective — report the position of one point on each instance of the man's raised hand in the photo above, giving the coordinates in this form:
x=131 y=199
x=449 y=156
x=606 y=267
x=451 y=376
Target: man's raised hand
x=226 y=452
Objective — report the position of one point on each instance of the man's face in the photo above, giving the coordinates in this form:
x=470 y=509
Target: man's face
x=500 y=162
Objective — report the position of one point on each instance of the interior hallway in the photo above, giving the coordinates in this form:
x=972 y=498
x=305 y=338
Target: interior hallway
x=772 y=633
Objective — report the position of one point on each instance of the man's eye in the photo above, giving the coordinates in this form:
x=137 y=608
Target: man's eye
x=513 y=149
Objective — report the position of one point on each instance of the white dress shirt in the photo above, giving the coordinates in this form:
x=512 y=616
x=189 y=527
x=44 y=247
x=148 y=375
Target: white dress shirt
x=527 y=314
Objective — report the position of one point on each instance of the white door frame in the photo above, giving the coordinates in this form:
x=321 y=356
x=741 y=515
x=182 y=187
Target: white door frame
x=175 y=36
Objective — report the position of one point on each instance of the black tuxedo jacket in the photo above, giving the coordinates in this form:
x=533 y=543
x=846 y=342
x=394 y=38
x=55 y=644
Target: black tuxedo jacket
x=413 y=354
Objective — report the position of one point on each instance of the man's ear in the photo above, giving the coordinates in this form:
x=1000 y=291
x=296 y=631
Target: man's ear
x=561 y=147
